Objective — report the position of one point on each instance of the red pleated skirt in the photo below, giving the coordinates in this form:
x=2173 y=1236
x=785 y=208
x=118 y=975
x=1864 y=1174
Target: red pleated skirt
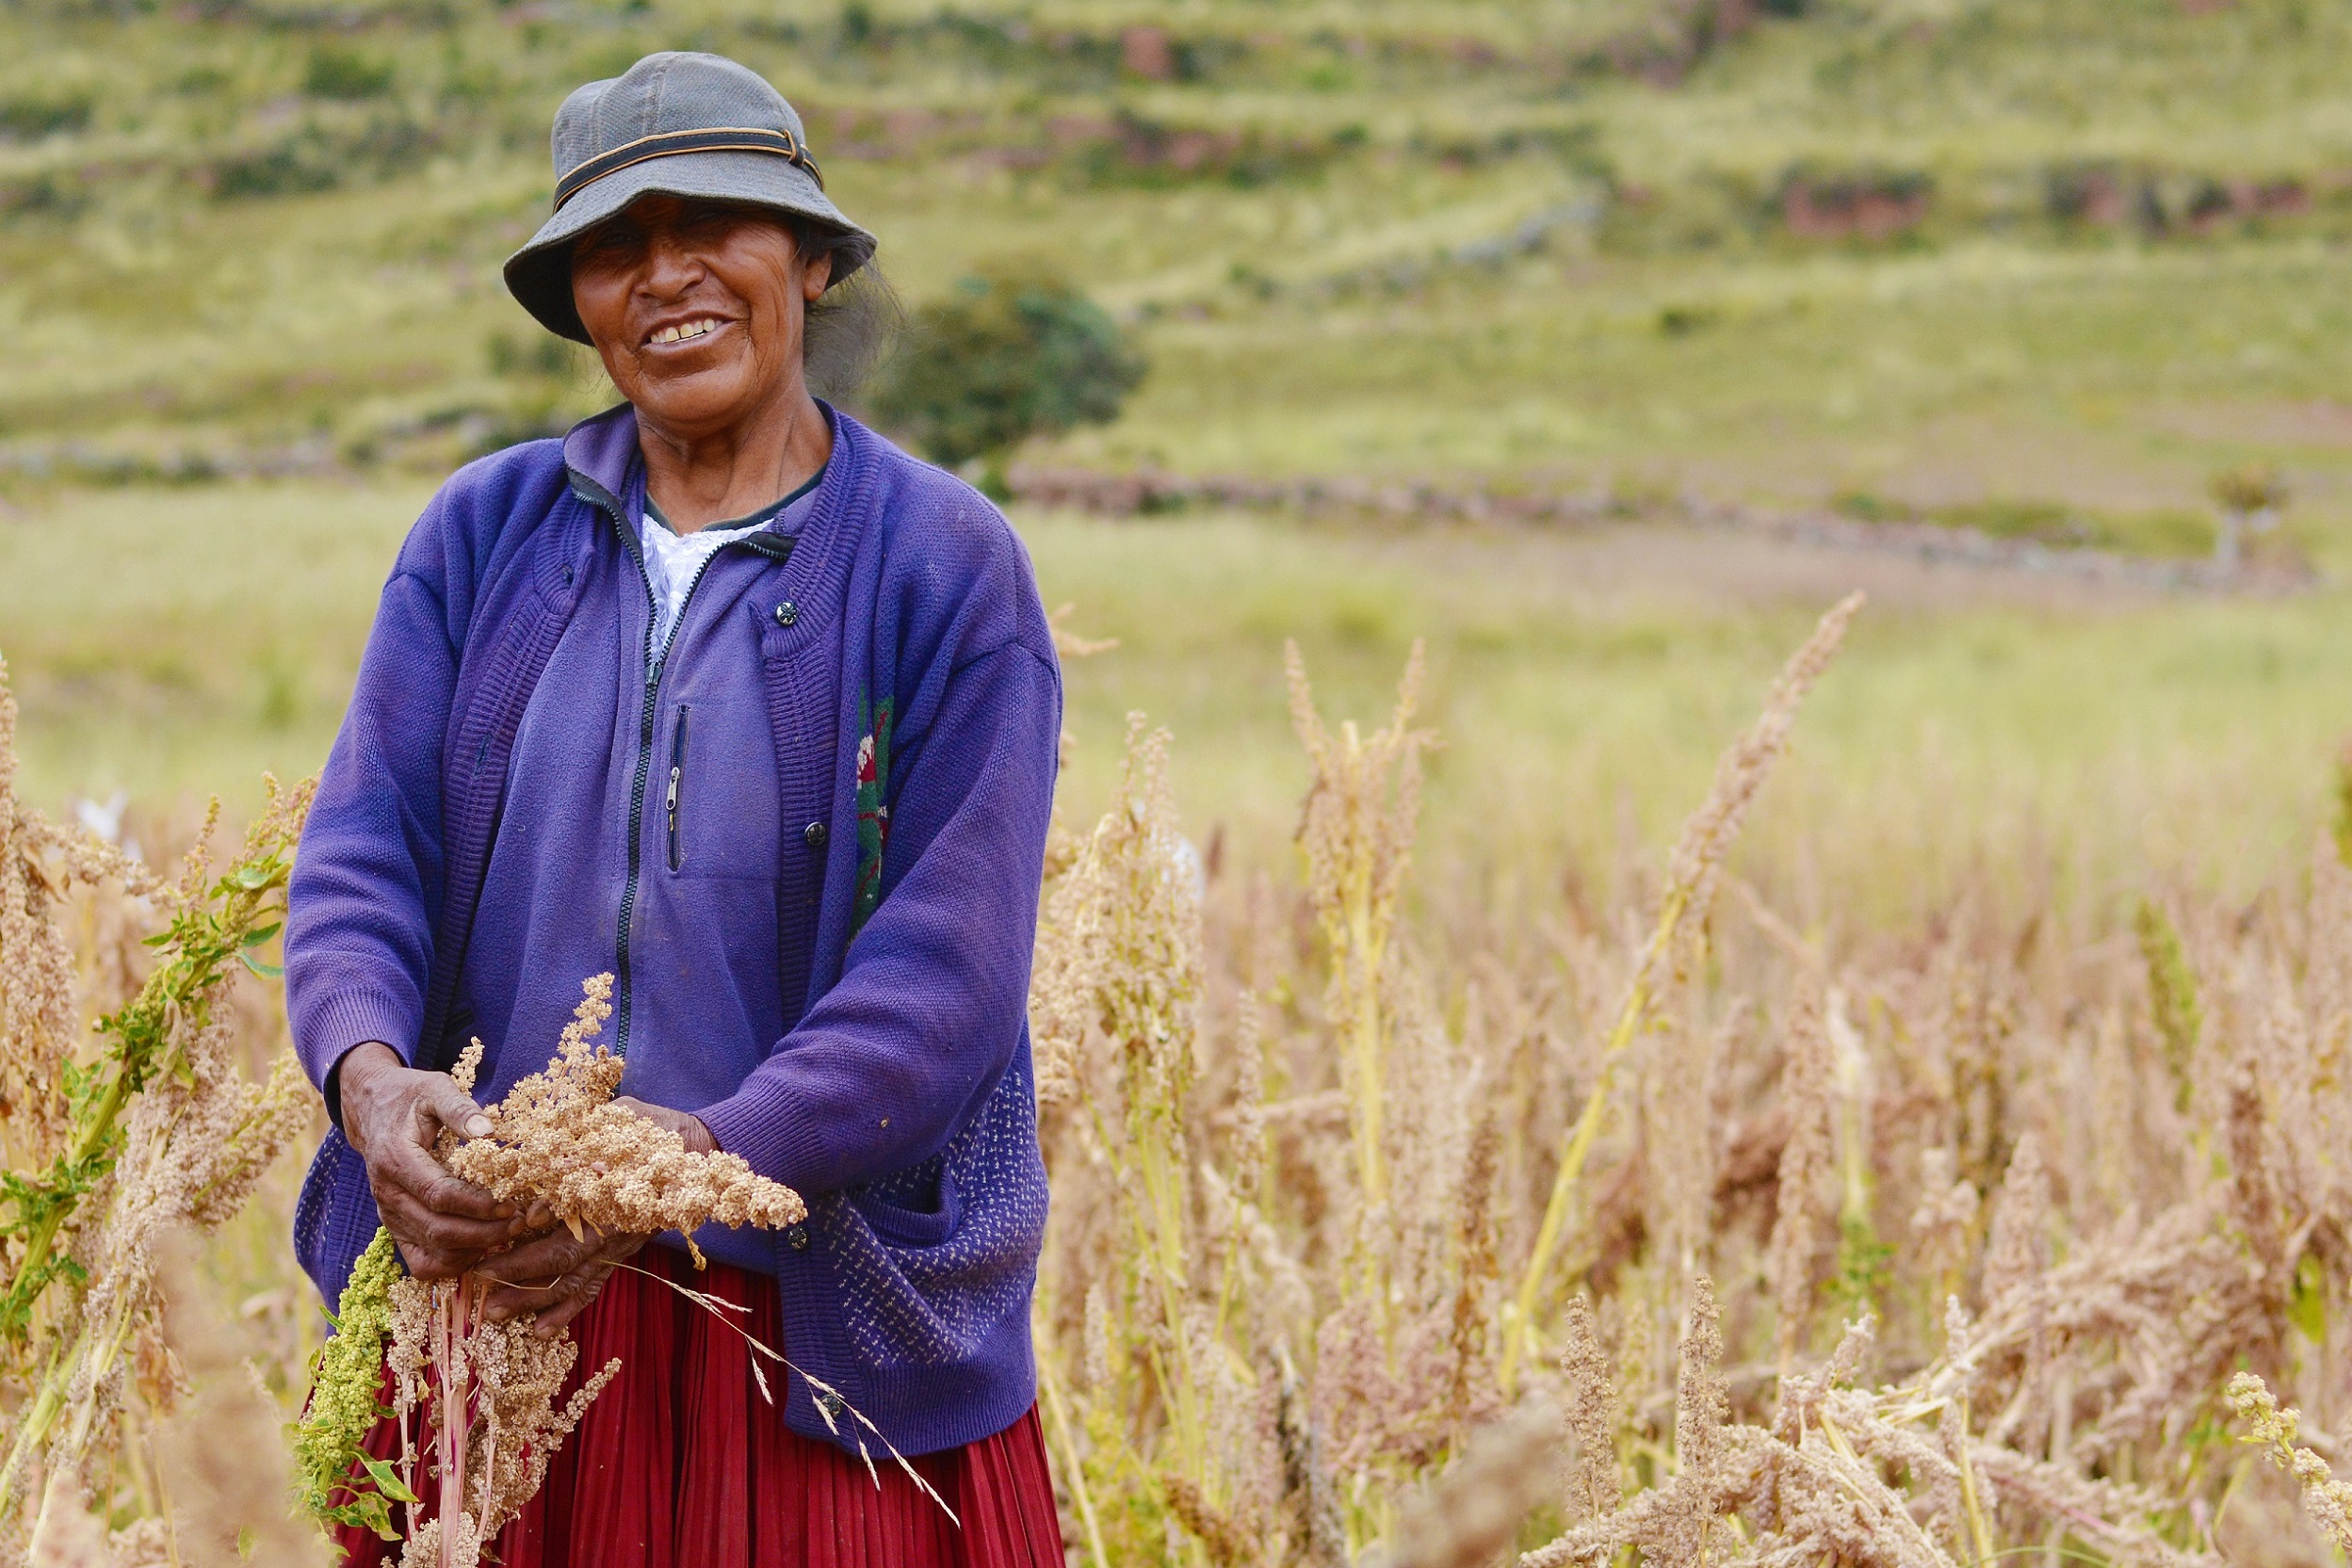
x=680 y=1463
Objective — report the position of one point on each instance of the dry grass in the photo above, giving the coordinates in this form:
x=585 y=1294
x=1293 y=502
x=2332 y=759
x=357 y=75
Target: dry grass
x=1961 y=1232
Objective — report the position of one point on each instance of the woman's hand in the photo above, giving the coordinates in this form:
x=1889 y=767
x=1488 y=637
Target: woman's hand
x=392 y=1114
x=685 y=1123
x=557 y=1274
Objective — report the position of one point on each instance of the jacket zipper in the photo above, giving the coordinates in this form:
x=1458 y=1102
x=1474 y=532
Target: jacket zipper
x=677 y=774
x=636 y=793
x=655 y=664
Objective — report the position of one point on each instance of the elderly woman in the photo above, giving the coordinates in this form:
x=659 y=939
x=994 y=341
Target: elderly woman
x=724 y=695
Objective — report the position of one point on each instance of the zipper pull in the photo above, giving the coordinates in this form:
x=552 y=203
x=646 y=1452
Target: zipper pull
x=672 y=800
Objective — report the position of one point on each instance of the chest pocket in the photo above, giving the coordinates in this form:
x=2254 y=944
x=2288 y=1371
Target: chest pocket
x=719 y=809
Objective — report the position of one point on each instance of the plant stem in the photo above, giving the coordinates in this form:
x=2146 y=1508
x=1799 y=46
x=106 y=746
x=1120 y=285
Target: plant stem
x=1070 y=1465
x=32 y=1428
x=32 y=1275
x=449 y=1439
x=1520 y=1332
x=1980 y=1535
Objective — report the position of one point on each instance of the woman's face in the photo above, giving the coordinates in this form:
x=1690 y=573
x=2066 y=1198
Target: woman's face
x=696 y=308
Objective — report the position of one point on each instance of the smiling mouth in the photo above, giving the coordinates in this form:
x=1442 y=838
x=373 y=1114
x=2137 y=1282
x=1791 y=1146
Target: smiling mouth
x=687 y=332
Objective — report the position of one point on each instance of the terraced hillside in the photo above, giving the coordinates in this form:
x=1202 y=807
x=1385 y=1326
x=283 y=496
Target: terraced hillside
x=2042 y=264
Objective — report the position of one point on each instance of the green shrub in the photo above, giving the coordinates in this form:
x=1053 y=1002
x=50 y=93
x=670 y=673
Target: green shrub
x=31 y=116
x=1012 y=354
x=346 y=74
x=285 y=168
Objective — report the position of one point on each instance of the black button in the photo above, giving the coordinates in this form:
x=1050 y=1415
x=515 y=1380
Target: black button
x=787 y=613
x=797 y=1238
x=831 y=1404
x=814 y=835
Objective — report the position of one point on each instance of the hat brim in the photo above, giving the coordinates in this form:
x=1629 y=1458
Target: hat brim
x=540 y=274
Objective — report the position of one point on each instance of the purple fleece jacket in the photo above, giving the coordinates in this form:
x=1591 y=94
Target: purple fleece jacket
x=806 y=837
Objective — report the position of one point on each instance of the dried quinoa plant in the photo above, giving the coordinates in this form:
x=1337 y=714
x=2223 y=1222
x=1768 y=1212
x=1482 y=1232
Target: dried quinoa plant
x=1466 y=1517
x=2328 y=1500
x=557 y=1138
x=219 y=1454
x=488 y=1390
x=167 y=1032
x=197 y=1143
x=1801 y=1220
x=146 y=1126
x=1692 y=876
x=40 y=866
x=2055 y=1333
x=1114 y=1003
x=1355 y=834
x=1255 y=1351
x=509 y=1379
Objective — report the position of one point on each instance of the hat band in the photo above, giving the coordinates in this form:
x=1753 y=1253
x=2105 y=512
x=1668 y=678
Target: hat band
x=732 y=138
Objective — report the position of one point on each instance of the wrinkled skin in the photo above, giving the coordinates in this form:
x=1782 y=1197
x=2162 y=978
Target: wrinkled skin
x=725 y=420
x=444 y=1226
x=726 y=425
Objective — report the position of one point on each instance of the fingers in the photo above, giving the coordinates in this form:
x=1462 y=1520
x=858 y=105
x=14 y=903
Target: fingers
x=451 y=1107
x=396 y=1115
x=516 y=1294
x=435 y=1245
x=582 y=1290
x=543 y=1258
x=412 y=1169
x=555 y=1282
x=686 y=1125
x=425 y=1259
x=440 y=1103
x=406 y=1217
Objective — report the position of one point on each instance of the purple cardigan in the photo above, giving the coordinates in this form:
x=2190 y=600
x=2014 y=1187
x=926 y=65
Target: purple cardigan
x=808 y=837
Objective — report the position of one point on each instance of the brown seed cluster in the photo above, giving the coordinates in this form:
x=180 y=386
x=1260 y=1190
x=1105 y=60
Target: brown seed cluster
x=557 y=1138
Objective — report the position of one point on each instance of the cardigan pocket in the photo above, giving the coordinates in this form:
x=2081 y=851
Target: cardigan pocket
x=916 y=1207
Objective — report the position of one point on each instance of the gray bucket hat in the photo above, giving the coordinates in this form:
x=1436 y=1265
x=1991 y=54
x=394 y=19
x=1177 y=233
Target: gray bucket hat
x=681 y=124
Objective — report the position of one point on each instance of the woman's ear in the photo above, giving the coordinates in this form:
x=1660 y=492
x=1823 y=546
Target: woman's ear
x=816 y=275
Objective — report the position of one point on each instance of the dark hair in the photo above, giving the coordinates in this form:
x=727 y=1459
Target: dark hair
x=847 y=326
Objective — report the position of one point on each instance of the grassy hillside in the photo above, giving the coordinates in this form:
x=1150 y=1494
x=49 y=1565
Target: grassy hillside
x=1927 y=253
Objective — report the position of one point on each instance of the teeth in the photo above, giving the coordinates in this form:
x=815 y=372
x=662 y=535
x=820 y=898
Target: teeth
x=691 y=329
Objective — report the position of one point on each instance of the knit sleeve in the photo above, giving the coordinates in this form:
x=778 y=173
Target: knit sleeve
x=367 y=879
x=899 y=1054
